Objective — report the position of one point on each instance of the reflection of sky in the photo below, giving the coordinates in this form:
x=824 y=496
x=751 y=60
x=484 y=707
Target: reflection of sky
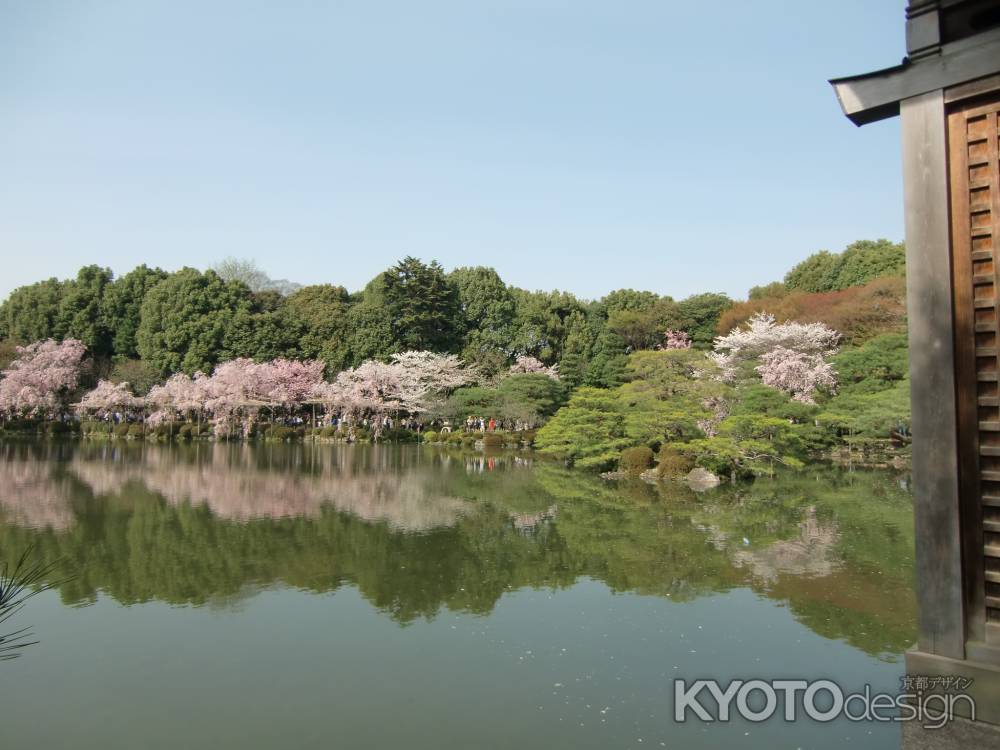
x=573 y=668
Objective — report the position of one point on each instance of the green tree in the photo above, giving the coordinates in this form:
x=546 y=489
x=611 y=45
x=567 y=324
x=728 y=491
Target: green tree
x=487 y=311
x=80 y=310
x=859 y=263
x=774 y=290
x=576 y=350
x=321 y=315
x=608 y=361
x=530 y=397
x=865 y=260
x=542 y=321
x=31 y=312
x=422 y=306
x=260 y=335
x=138 y=374
x=815 y=274
x=588 y=432
x=184 y=319
x=875 y=366
x=372 y=333
x=698 y=316
x=121 y=305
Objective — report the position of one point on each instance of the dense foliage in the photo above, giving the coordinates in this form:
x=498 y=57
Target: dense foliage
x=807 y=364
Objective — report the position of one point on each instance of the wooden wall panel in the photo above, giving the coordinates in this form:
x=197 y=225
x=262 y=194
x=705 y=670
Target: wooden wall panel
x=974 y=166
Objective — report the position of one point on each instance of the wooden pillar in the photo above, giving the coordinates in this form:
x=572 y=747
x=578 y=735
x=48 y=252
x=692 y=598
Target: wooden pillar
x=941 y=628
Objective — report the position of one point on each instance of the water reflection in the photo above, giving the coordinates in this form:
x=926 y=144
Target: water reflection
x=417 y=530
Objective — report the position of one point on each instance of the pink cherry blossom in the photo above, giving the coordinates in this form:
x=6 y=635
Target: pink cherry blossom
x=763 y=335
x=796 y=373
x=107 y=399
x=676 y=340
x=525 y=364
x=38 y=381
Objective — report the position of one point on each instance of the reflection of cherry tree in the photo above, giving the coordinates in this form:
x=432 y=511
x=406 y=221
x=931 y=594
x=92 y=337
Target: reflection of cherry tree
x=38 y=380
x=233 y=486
x=32 y=495
x=108 y=399
x=812 y=553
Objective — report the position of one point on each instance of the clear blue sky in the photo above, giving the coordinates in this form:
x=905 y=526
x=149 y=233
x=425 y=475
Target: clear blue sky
x=570 y=144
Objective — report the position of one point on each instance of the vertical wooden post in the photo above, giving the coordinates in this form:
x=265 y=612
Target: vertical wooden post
x=941 y=616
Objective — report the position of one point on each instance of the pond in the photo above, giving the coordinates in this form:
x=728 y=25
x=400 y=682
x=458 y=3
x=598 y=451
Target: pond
x=317 y=596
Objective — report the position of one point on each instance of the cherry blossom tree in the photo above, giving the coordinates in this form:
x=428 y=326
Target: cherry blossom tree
x=526 y=364
x=288 y=382
x=676 y=340
x=39 y=379
x=424 y=376
x=796 y=373
x=107 y=399
x=763 y=335
x=180 y=396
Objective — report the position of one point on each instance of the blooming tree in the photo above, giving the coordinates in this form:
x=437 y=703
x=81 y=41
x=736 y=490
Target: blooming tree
x=763 y=335
x=676 y=340
x=107 y=399
x=371 y=390
x=426 y=375
x=288 y=382
x=796 y=373
x=181 y=395
x=526 y=364
x=40 y=377
x=792 y=357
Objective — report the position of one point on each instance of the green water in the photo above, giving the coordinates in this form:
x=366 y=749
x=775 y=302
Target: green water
x=288 y=596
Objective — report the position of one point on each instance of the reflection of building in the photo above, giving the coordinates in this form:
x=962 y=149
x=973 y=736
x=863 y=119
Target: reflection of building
x=947 y=92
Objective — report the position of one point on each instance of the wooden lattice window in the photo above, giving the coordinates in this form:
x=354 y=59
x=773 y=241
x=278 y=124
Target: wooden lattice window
x=974 y=140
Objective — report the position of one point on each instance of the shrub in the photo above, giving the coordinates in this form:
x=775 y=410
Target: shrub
x=430 y=436
x=121 y=430
x=399 y=436
x=136 y=431
x=328 y=432
x=280 y=433
x=453 y=437
x=672 y=463
x=184 y=432
x=362 y=434
x=635 y=460
x=93 y=427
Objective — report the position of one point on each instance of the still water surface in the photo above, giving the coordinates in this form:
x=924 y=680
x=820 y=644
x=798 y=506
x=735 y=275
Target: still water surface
x=290 y=596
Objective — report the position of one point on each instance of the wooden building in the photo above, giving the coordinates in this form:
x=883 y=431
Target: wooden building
x=947 y=94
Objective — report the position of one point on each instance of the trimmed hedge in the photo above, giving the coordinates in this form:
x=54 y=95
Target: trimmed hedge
x=635 y=460
x=672 y=463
